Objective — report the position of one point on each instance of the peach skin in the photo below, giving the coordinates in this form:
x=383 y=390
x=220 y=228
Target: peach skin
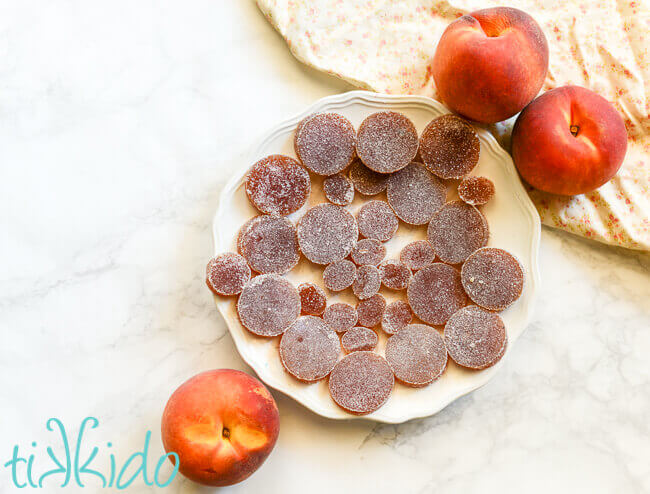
x=569 y=141
x=222 y=424
x=490 y=64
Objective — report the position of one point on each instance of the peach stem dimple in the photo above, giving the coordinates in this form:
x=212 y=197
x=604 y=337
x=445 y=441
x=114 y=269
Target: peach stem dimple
x=225 y=433
x=574 y=130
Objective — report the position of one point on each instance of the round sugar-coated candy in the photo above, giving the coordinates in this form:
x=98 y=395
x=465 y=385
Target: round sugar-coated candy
x=339 y=275
x=449 y=147
x=340 y=317
x=325 y=143
x=309 y=349
x=312 y=299
x=278 y=185
x=361 y=382
x=415 y=194
x=394 y=274
x=417 y=255
x=327 y=233
x=227 y=274
x=371 y=311
x=359 y=339
x=387 y=141
x=368 y=251
x=475 y=337
x=417 y=355
x=367 y=282
x=377 y=220
x=268 y=305
x=338 y=189
x=269 y=244
x=476 y=190
x=397 y=316
x=457 y=230
x=493 y=278
x=366 y=181
x=435 y=293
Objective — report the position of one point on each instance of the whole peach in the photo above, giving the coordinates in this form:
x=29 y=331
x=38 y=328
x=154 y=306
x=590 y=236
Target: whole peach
x=568 y=141
x=222 y=424
x=490 y=64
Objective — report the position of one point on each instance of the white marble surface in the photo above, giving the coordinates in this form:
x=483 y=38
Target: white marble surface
x=118 y=124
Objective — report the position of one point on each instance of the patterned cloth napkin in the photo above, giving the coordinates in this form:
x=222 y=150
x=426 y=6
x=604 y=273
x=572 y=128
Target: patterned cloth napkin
x=385 y=46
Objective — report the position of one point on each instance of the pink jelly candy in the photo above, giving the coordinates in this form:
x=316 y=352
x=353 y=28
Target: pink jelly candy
x=227 y=274
x=327 y=233
x=359 y=339
x=397 y=316
x=394 y=274
x=368 y=251
x=269 y=244
x=340 y=317
x=367 y=282
x=417 y=255
x=377 y=220
x=339 y=275
x=371 y=311
x=338 y=189
x=435 y=293
x=312 y=299
x=415 y=194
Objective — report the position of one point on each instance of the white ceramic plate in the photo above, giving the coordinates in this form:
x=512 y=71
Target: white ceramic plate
x=514 y=226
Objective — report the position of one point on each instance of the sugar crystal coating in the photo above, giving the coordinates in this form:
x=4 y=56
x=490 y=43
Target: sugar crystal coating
x=394 y=274
x=457 y=230
x=368 y=251
x=227 y=274
x=268 y=305
x=435 y=293
x=339 y=275
x=397 y=316
x=476 y=190
x=417 y=255
x=325 y=143
x=312 y=299
x=359 y=339
x=475 y=337
x=340 y=317
x=338 y=189
x=269 y=244
x=366 y=181
x=493 y=278
x=415 y=194
x=278 y=185
x=367 y=282
x=417 y=355
x=327 y=233
x=309 y=349
x=377 y=220
x=371 y=311
x=387 y=141
x=361 y=382
x=449 y=147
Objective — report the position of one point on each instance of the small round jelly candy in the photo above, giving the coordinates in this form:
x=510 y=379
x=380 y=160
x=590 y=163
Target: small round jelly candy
x=367 y=181
x=417 y=355
x=435 y=293
x=415 y=194
x=387 y=141
x=312 y=299
x=417 y=255
x=359 y=339
x=268 y=305
x=397 y=316
x=476 y=190
x=361 y=382
x=309 y=349
x=339 y=275
x=325 y=143
x=457 y=230
x=227 y=274
x=475 y=337
x=327 y=233
x=269 y=244
x=367 y=282
x=377 y=220
x=278 y=185
x=371 y=311
x=493 y=278
x=394 y=274
x=449 y=147
x=338 y=189
x=340 y=317
x=368 y=251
